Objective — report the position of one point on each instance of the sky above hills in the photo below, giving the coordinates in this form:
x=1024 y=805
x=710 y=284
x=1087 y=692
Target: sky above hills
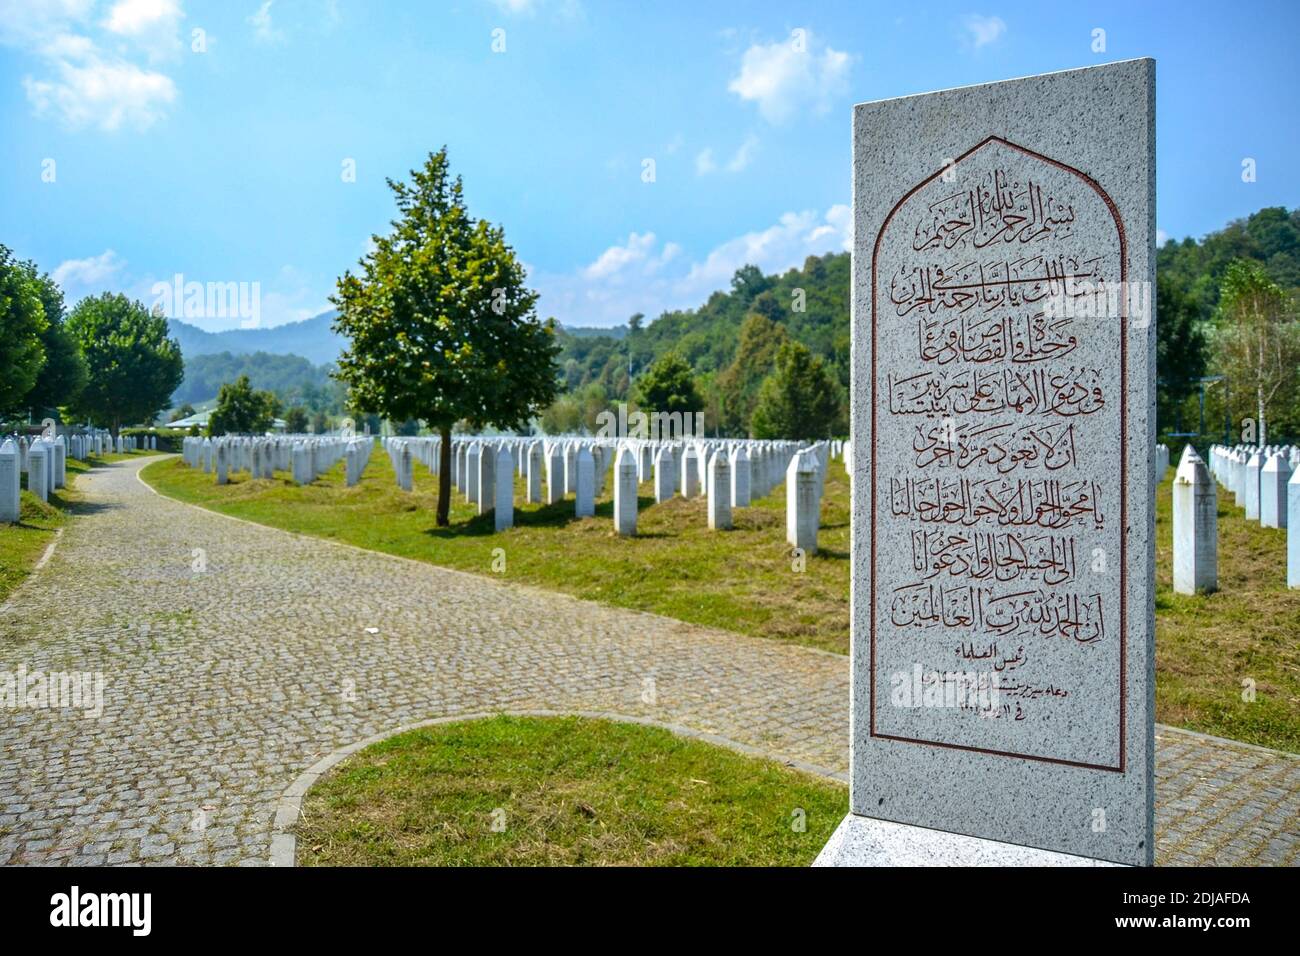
x=149 y=138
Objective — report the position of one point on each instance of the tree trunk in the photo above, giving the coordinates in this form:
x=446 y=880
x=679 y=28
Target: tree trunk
x=1259 y=399
x=444 y=477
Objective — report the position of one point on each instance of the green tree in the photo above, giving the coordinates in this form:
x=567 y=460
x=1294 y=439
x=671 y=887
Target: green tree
x=798 y=400
x=1258 y=338
x=133 y=366
x=441 y=324
x=1180 y=350
x=22 y=326
x=295 y=420
x=64 y=374
x=185 y=411
x=738 y=384
x=242 y=410
x=668 y=386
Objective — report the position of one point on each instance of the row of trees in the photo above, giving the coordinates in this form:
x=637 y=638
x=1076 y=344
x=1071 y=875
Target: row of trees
x=109 y=361
x=776 y=388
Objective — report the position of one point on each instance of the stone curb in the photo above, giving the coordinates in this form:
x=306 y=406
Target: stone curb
x=284 y=842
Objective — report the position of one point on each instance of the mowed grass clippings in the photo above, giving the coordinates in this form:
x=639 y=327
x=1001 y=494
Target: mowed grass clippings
x=567 y=791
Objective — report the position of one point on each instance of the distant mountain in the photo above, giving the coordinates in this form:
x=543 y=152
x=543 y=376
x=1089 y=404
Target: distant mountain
x=311 y=339
x=615 y=332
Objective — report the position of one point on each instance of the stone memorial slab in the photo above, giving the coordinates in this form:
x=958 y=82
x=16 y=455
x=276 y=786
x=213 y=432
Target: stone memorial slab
x=1003 y=402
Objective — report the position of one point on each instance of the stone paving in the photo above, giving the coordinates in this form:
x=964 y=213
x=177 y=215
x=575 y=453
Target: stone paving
x=236 y=656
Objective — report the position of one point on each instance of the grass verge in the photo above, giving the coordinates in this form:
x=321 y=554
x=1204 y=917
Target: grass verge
x=533 y=791
x=22 y=544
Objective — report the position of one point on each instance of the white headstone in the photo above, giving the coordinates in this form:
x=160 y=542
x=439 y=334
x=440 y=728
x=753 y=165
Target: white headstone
x=625 y=488
x=504 y=485
x=1272 y=491
x=585 y=485
x=1195 y=521
x=719 y=491
x=38 y=474
x=10 y=483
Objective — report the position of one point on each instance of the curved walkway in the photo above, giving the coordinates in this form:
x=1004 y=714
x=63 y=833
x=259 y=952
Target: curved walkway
x=235 y=657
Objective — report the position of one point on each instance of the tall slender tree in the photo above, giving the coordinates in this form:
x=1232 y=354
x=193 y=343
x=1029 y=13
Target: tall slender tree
x=1258 y=338
x=440 y=323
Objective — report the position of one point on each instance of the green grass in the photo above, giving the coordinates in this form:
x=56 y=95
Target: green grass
x=562 y=791
x=741 y=580
x=1207 y=645
x=22 y=544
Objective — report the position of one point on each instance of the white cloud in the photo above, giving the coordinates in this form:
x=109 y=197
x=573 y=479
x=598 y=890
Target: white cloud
x=1161 y=237
x=516 y=6
x=983 y=30
x=791 y=76
x=82 y=85
x=153 y=25
x=264 y=30
x=643 y=275
x=740 y=159
x=78 y=277
x=104 y=93
x=743 y=155
x=636 y=256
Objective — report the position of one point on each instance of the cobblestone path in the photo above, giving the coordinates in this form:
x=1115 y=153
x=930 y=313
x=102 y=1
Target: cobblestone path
x=223 y=684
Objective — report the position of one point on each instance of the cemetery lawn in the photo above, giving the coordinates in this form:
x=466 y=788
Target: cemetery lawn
x=740 y=580
x=566 y=791
x=1208 y=646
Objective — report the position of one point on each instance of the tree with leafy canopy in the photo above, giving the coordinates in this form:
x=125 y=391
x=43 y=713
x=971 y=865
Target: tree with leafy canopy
x=295 y=420
x=799 y=400
x=22 y=326
x=668 y=386
x=441 y=325
x=738 y=384
x=185 y=411
x=133 y=367
x=64 y=374
x=242 y=410
x=1180 y=350
x=1258 y=338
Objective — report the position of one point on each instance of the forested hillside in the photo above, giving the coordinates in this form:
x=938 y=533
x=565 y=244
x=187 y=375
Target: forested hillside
x=731 y=340
x=293 y=379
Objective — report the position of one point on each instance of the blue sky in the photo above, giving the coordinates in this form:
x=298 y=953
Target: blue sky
x=226 y=163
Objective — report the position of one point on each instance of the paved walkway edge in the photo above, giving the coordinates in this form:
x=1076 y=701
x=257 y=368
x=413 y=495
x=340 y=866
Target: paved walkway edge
x=284 y=842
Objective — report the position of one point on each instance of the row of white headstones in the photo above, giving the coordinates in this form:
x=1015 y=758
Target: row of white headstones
x=305 y=457
x=1264 y=480
x=44 y=461
x=730 y=473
